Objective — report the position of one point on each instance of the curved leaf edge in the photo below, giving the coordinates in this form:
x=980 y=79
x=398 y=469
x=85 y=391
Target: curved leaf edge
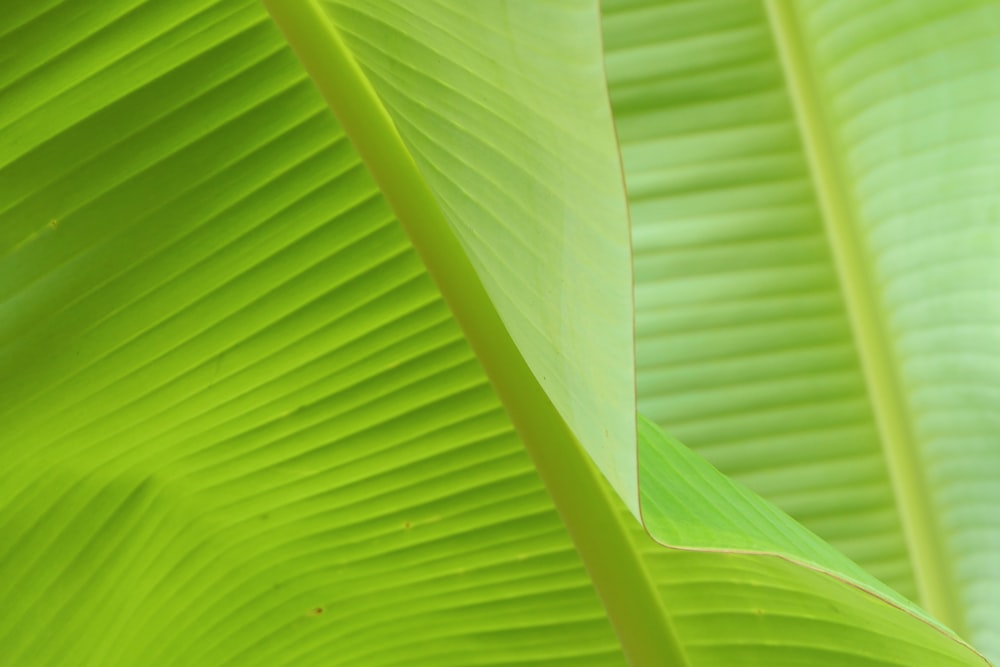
x=920 y=523
x=619 y=573
x=578 y=490
x=687 y=465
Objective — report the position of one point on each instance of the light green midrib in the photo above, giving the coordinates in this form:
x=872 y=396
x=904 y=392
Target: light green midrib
x=921 y=525
x=617 y=569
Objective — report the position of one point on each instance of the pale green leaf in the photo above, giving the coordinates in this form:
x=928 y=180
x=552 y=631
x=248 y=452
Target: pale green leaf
x=845 y=374
x=744 y=348
x=909 y=96
x=470 y=86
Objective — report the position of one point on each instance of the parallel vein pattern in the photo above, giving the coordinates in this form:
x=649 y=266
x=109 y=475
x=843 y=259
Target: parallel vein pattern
x=239 y=425
x=911 y=92
x=694 y=505
x=743 y=348
x=503 y=107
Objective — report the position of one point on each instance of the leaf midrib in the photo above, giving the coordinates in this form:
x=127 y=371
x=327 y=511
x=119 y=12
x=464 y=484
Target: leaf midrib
x=591 y=516
x=920 y=523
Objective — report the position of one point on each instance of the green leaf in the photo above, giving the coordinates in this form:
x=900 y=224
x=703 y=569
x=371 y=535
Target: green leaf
x=504 y=112
x=333 y=40
x=242 y=427
x=834 y=371
x=239 y=425
x=744 y=346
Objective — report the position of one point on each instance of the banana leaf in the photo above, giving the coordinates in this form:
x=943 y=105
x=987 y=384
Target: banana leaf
x=248 y=420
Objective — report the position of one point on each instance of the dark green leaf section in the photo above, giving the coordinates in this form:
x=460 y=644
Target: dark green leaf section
x=239 y=425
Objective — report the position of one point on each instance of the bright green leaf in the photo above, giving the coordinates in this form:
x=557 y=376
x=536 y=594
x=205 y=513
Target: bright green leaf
x=241 y=427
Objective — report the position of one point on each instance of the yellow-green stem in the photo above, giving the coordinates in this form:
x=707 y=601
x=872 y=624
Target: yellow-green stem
x=617 y=570
x=920 y=521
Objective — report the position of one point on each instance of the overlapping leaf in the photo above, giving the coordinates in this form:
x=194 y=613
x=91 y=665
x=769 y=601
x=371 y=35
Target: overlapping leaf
x=751 y=526
x=240 y=424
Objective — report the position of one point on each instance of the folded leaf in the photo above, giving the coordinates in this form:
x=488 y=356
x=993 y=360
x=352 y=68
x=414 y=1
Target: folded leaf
x=831 y=376
x=504 y=111
x=341 y=56
x=241 y=426
x=744 y=346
